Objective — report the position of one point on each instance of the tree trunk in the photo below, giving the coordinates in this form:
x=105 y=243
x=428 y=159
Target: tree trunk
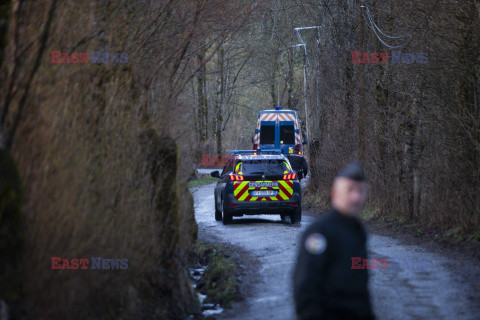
x=219 y=100
x=202 y=97
x=362 y=102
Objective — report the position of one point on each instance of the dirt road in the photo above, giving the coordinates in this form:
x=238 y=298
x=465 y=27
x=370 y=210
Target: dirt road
x=416 y=285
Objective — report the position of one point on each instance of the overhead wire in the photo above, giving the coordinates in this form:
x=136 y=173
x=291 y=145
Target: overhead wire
x=376 y=28
x=302 y=42
x=386 y=44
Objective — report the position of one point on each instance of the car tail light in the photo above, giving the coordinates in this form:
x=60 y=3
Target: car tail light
x=290 y=176
x=236 y=177
x=293 y=204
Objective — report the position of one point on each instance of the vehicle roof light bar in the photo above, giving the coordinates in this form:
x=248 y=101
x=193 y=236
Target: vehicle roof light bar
x=243 y=151
x=258 y=151
x=271 y=151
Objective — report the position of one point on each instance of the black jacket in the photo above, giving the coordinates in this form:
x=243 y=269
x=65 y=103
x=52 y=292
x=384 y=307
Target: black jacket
x=325 y=285
x=298 y=162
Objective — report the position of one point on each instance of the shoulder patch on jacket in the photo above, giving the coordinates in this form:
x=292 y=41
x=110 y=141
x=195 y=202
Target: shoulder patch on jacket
x=316 y=243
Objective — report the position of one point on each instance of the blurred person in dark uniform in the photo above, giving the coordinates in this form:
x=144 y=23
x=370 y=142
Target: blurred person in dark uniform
x=298 y=162
x=325 y=285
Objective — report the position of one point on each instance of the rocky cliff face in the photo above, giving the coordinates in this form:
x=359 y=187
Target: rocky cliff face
x=95 y=155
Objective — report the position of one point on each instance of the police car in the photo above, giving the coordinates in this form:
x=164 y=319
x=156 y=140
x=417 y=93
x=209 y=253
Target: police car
x=254 y=183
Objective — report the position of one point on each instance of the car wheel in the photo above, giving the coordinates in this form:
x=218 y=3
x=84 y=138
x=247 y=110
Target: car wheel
x=227 y=216
x=296 y=215
x=218 y=213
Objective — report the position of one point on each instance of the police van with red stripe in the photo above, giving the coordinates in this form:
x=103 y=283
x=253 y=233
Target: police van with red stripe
x=278 y=129
x=257 y=182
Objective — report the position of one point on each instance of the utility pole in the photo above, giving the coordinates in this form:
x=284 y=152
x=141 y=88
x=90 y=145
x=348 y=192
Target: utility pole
x=305 y=91
x=305 y=62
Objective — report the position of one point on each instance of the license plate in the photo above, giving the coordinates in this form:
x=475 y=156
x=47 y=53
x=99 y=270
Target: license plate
x=271 y=184
x=264 y=193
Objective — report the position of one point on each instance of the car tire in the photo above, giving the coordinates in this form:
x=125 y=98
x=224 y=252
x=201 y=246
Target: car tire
x=296 y=215
x=218 y=213
x=227 y=216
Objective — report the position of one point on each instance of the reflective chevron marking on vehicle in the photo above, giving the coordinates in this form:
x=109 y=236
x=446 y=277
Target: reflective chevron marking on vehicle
x=257 y=135
x=286 y=117
x=286 y=186
x=241 y=191
x=269 y=117
x=297 y=138
x=237 y=168
x=274 y=116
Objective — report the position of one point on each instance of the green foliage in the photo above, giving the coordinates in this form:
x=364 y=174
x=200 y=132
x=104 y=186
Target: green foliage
x=475 y=237
x=457 y=234
x=201 y=181
x=399 y=219
x=367 y=213
x=220 y=278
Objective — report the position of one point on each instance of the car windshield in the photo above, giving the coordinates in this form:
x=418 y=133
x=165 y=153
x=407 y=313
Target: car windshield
x=264 y=166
